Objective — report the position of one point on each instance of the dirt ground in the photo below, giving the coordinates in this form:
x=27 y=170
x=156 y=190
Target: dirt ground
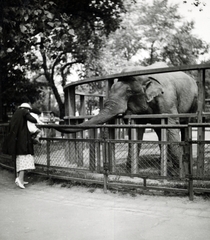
x=47 y=211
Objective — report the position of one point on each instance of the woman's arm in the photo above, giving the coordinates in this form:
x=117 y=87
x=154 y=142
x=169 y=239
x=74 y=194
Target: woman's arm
x=30 y=118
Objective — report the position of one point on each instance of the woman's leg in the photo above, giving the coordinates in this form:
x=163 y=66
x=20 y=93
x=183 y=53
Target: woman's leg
x=21 y=176
x=20 y=179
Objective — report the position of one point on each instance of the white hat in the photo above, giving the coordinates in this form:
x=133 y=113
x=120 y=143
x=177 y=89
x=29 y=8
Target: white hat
x=25 y=105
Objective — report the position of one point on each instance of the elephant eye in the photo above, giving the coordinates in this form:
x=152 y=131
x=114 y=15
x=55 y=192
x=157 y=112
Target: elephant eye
x=132 y=92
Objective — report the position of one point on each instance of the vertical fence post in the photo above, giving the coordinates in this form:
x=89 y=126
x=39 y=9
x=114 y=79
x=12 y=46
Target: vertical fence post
x=190 y=185
x=105 y=159
x=82 y=105
x=70 y=146
x=186 y=153
x=106 y=167
x=163 y=153
x=134 y=150
x=98 y=150
x=201 y=132
x=70 y=108
x=111 y=148
x=92 y=150
x=79 y=147
x=48 y=156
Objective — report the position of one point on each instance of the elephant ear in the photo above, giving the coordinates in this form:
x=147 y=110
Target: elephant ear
x=153 y=89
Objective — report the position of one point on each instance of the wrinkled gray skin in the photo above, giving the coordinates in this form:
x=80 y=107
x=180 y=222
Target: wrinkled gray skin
x=171 y=93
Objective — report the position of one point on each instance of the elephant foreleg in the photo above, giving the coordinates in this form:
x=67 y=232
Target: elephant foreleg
x=134 y=149
x=175 y=151
x=158 y=132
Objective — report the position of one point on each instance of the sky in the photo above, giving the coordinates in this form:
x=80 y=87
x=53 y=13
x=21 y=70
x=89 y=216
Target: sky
x=201 y=18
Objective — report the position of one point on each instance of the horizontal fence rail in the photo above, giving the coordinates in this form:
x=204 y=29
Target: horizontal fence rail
x=140 y=72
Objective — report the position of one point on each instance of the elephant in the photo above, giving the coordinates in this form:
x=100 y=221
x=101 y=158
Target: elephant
x=169 y=93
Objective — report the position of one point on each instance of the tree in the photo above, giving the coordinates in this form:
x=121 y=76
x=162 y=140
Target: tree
x=13 y=82
x=183 y=48
x=154 y=32
x=49 y=37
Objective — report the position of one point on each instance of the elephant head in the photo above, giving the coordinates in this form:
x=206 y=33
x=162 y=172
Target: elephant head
x=133 y=95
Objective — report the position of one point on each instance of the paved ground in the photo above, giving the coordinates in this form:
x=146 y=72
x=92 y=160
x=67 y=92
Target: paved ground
x=47 y=212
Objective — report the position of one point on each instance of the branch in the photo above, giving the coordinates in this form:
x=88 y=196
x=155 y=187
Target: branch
x=46 y=73
x=65 y=66
x=56 y=62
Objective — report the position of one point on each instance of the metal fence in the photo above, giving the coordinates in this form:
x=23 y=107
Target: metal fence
x=94 y=156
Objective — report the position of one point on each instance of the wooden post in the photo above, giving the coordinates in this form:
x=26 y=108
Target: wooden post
x=92 y=152
x=71 y=101
x=105 y=159
x=111 y=132
x=105 y=180
x=111 y=148
x=190 y=169
x=66 y=103
x=98 y=156
x=101 y=102
x=48 y=156
x=134 y=150
x=186 y=153
x=164 y=147
x=71 y=152
x=117 y=130
x=82 y=105
x=98 y=150
x=201 y=130
x=104 y=137
x=79 y=146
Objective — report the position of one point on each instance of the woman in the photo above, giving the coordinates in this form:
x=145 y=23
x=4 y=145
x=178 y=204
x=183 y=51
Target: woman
x=19 y=142
x=52 y=119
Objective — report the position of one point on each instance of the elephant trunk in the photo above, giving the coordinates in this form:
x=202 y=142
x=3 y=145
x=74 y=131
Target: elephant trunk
x=111 y=109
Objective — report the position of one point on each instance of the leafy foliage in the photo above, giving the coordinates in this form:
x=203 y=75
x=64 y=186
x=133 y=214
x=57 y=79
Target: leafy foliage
x=153 y=32
x=49 y=37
